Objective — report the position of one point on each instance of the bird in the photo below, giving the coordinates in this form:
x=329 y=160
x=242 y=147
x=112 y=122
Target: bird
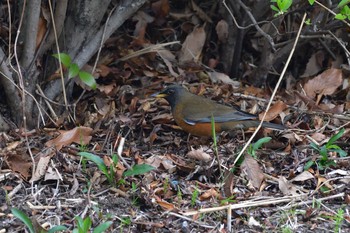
x=194 y=113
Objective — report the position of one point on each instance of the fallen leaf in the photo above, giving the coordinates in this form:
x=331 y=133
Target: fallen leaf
x=222 y=30
x=208 y=194
x=41 y=167
x=79 y=135
x=19 y=162
x=199 y=154
x=305 y=175
x=217 y=76
x=286 y=187
x=274 y=111
x=192 y=46
x=324 y=84
x=254 y=173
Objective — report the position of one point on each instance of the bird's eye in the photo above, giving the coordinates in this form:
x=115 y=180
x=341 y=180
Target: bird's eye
x=171 y=91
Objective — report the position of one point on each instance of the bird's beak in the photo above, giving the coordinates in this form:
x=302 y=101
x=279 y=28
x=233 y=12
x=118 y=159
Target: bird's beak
x=159 y=95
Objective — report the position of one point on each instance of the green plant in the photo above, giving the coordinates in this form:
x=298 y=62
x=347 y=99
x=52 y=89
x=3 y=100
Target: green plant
x=73 y=70
x=338 y=218
x=286 y=229
x=194 y=196
x=213 y=133
x=84 y=225
x=166 y=185
x=137 y=169
x=324 y=150
x=109 y=173
x=179 y=195
x=281 y=6
x=257 y=145
x=125 y=221
x=231 y=199
x=344 y=10
x=29 y=224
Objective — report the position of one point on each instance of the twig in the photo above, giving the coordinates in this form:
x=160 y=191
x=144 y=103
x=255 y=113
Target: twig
x=257 y=27
x=247 y=204
x=330 y=11
x=59 y=57
x=273 y=94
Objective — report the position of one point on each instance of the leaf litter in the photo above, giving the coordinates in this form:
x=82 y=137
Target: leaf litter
x=186 y=176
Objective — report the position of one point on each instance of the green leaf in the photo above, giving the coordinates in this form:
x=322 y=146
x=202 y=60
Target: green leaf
x=343 y=3
x=102 y=227
x=57 y=228
x=340 y=16
x=335 y=137
x=315 y=146
x=86 y=224
x=24 y=218
x=97 y=160
x=308 y=164
x=341 y=152
x=333 y=147
x=73 y=70
x=88 y=79
x=139 y=169
x=323 y=152
x=115 y=158
x=284 y=4
x=311 y=2
x=273 y=7
x=65 y=58
x=257 y=145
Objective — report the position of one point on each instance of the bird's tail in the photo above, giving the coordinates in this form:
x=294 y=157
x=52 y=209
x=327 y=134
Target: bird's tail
x=273 y=126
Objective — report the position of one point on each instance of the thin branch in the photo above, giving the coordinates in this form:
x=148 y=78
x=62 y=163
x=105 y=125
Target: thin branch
x=274 y=92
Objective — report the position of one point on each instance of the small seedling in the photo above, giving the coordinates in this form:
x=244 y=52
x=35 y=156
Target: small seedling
x=125 y=221
x=73 y=70
x=281 y=7
x=257 y=145
x=179 y=195
x=324 y=151
x=231 y=199
x=109 y=173
x=29 y=224
x=194 y=197
x=344 y=12
x=84 y=225
x=213 y=132
x=338 y=218
x=137 y=169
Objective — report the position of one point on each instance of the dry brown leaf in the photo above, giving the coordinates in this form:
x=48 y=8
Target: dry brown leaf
x=254 y=173
x=318 y=137
x=209 y=194
x=199 y=154
x=217 y=76
x=165 y=205
x=162 y=118
x=158 y=161
x=42 y=165
x=305 y=175
x=274 y=111
x=286 y=187
x=314 y=65
x=79 y=135
x=200 y=13
x=192 y=46
x=20 y=163
x=52 y=174
x=222 y=30
x=324 y=84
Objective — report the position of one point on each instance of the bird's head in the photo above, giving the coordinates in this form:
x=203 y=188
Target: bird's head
x=172 y=94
